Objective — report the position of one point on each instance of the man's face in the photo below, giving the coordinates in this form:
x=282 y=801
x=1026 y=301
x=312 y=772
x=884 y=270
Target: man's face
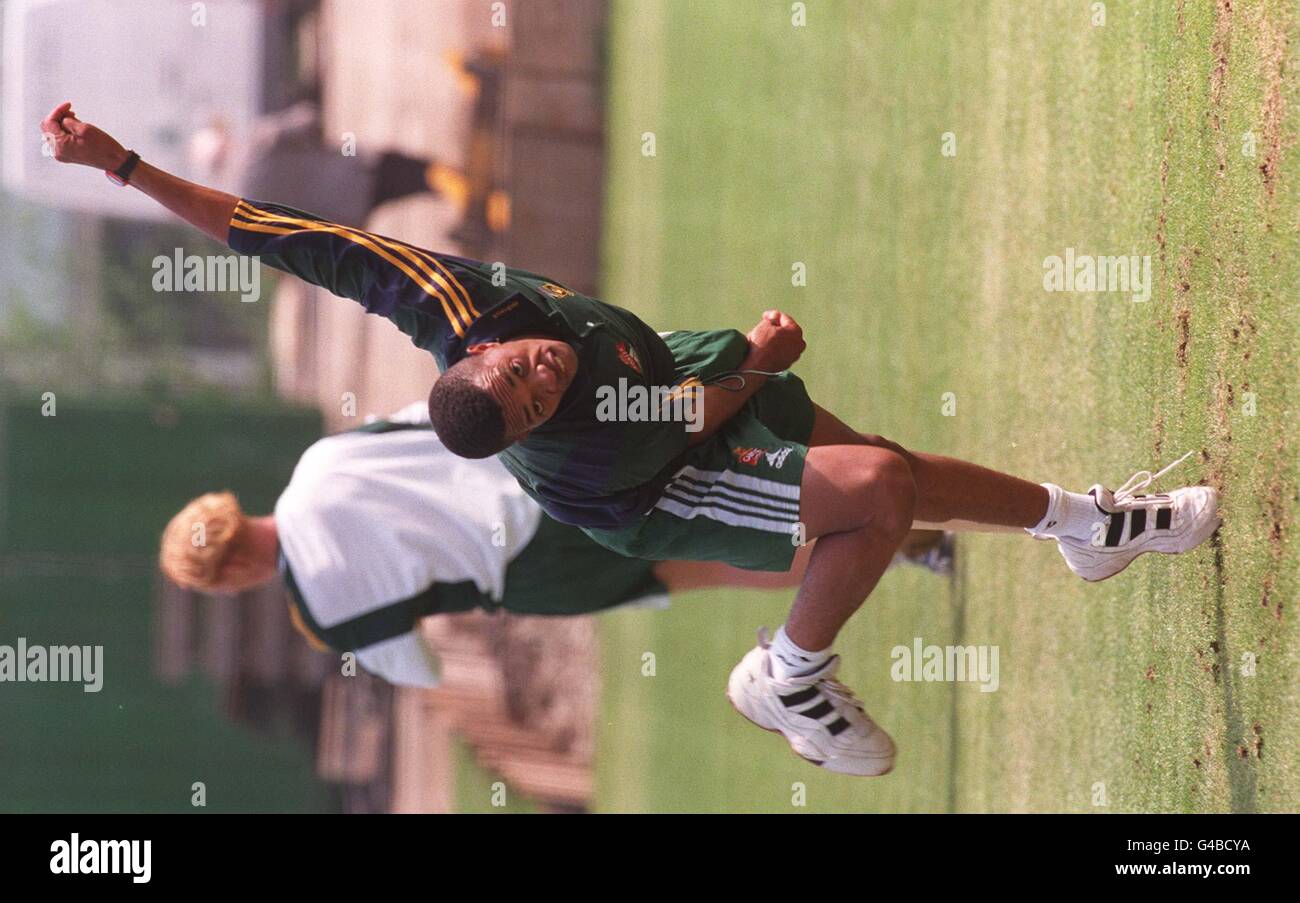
x=527 y=377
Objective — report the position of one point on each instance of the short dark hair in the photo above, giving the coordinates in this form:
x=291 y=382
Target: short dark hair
x=465 y=416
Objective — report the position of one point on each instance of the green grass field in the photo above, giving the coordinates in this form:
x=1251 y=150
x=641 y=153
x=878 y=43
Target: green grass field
x=1169 y=131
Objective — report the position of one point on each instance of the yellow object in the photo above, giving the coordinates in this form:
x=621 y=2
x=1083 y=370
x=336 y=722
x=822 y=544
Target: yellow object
x=448 y=183
x=300 y=625
x=465 y=80
x=498 y=211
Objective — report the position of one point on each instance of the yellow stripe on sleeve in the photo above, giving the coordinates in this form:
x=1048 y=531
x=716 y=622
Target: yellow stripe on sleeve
x=265 y=221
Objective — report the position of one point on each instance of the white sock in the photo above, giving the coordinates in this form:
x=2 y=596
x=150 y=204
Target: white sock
x=789 y=659
x=1069 y=514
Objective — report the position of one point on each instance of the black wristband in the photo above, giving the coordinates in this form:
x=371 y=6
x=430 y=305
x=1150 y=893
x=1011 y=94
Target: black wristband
x=122 y=175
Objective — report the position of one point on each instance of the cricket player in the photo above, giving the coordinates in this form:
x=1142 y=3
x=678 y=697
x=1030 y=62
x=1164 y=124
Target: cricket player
x=742 y=474
x=381 y=526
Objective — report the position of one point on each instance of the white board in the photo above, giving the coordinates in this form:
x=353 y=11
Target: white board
x=140 y=69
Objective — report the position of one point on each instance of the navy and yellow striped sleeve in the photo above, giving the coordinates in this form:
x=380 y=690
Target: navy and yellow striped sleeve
x=422 y=292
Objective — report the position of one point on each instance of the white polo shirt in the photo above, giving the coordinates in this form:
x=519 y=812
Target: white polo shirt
x=373 y=519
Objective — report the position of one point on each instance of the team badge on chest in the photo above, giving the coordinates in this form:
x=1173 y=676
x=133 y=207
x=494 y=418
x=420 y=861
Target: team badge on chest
x=628 y=356
x=555 y=291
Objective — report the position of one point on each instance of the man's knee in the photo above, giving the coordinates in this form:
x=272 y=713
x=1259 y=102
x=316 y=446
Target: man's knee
x=882 y=442
x=848 y=488
x=891 y=490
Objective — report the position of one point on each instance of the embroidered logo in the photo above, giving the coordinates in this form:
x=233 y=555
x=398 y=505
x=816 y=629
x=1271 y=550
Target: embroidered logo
x=555 y=291
x=750 y=456
x=776 y=458
x=628 y=356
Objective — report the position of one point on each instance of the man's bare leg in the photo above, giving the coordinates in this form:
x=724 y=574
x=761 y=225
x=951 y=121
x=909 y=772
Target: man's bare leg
x=682 y=576
x=860 y=497
x=950 y=492
x=858 y=502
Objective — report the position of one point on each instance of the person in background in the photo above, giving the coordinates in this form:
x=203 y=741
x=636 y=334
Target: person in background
x=285 y=156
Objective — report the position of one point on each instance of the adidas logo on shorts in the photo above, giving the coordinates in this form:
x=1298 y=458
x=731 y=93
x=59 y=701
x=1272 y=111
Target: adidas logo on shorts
x=776 y=458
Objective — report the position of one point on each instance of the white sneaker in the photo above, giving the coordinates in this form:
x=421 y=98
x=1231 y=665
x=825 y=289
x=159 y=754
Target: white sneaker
x=1130 y=525
x=823 y=720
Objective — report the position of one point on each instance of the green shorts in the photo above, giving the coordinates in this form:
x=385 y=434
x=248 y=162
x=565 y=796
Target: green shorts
x=736 y=497
x=562 y=572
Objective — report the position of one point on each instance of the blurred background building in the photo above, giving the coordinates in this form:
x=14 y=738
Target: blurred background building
x=161 y=396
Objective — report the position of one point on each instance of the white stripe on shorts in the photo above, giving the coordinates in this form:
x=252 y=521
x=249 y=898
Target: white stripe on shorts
x=749 y=501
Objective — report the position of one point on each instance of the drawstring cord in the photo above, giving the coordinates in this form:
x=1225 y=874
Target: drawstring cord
x=738 y=375
x=1141 y=480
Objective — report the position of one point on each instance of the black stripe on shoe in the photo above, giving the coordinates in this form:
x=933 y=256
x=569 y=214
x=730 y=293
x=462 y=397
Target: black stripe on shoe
x=818 y=712
x=1137 y=522
x=793 y=699
x=838 y=726
x=1116 y=529
x=1164 y=518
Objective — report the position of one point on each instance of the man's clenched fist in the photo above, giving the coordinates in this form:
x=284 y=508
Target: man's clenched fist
x=74 y=141
x=775 y=343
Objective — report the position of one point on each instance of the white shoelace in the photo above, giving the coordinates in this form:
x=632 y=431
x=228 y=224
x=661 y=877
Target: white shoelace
x=842 y=693
x=1127 y=494
x=830 y=686
x=838 y=691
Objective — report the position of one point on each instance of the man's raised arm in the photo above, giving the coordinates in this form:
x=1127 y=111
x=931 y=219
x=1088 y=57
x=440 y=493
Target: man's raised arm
x=423 y=293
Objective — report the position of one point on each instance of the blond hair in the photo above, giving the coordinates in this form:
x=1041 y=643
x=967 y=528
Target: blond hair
x=198 y=542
